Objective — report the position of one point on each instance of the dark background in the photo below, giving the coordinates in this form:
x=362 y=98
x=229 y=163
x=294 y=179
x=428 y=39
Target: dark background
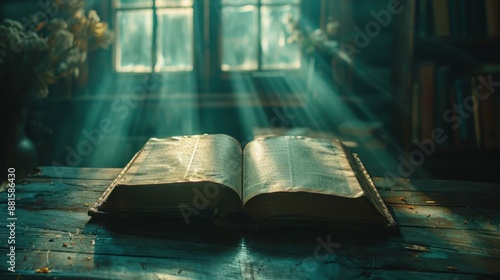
x=368 y=99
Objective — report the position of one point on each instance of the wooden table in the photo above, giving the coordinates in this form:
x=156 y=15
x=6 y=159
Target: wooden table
x=448 y=230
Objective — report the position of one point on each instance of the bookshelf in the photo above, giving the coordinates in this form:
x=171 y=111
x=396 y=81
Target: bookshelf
x=450 y=81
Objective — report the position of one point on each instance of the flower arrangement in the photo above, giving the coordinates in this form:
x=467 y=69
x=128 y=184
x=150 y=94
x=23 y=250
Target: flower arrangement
x=33 y=58
x=312 y=40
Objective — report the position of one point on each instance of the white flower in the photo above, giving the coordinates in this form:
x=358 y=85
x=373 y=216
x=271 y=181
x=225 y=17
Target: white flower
x=56 y=24
x=64 y=39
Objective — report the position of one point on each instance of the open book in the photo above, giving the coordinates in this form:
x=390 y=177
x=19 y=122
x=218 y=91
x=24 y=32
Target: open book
x=273 y=181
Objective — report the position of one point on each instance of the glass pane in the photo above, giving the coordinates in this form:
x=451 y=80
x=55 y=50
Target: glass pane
x=134 y=48
x=133 y=3
x=175 y=40
x=238 y=2
x=276 y=52
x=174 y=3
x=239 y=38
x=280 y=2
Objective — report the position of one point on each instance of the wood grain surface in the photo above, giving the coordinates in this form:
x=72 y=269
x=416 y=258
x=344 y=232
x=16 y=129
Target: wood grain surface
x=447 y=230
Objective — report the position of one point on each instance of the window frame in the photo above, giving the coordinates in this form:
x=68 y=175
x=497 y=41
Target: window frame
x=260 y=69
x=223 y=79
x=207 y=53
x=154 y=8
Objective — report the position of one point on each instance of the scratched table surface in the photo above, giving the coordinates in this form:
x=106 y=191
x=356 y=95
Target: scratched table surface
x=447 y=230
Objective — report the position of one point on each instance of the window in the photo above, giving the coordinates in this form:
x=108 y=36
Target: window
x=254 y=35
x=154 y=35
x=158 y=35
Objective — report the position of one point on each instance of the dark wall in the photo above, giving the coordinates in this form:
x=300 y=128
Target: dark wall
x=73 y=115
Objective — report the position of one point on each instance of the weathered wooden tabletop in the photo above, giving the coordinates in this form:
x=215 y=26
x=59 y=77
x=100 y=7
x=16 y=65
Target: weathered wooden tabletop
x=448 y=230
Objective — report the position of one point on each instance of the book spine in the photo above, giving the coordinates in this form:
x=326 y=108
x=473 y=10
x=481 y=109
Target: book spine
x=464 y=19
x=366 y=181
x=468 y=119
x=497 y=112
x=454 y=18
x=486 y=107
x=424 y=26
x=478 y=19
x=477 y=119
x=415 y=116
x=442 y=98
x=427 y=99
x=454 y=119
x=493 y=17
x=441 y=18
x=95 y=209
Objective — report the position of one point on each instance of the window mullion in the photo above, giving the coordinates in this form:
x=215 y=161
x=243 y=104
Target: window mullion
x=154 y=45
x=259 y=35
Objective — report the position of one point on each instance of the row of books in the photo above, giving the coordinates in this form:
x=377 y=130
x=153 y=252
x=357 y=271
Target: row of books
x=458 y=18
x=465 y=107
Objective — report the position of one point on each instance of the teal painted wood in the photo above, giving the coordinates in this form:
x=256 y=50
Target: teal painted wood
x=456 y=225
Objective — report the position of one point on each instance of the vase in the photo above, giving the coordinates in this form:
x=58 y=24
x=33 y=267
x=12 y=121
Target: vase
x=18 y=151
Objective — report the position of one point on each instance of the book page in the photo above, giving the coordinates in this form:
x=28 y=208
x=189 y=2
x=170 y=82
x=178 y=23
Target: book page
x=297 y=164
x=214 y=158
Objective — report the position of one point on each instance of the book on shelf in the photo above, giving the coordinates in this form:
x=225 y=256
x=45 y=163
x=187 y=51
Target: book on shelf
x=462 y=122
x=475 y=111
x=464 y=19
x=426 y=77
x=454 y=18
x=497 y=117
x=415 y=112
x=441 y=18
x=489 y=132
x=277 y=181
x=492 y=8
x=478 y=27
x=424 y=24
x=463 y=105
x=458 y=18
x=484 y=113
x=443 y=99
